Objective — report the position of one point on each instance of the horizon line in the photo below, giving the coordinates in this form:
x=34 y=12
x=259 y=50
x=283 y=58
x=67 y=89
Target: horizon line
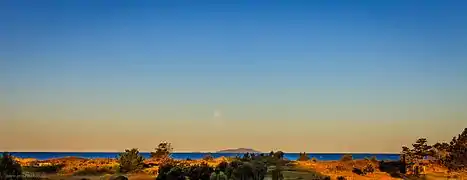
x=216 y=152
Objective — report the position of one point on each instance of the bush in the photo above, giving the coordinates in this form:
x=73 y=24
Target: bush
x=222 y=166
x=279 y=155
x=303 y=157
x=163 y=150
x=130 y=161
x=208 y=157
x=346 y=158
x=218 y=175
x=9 y=167
x=93 y=171
x=318 y=176
x=44 y=169
x=199 y=172
x=341 y=178
x=314 y=159
x=368 y=169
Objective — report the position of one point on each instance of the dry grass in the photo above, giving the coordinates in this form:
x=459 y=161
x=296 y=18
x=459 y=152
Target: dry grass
x=81 y=166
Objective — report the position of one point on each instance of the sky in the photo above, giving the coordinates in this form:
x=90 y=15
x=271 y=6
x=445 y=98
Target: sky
x=315 y=76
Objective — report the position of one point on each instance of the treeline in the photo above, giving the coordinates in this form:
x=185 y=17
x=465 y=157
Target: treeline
x=452 y=155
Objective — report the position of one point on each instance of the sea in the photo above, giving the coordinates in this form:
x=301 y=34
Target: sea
x=193 y=156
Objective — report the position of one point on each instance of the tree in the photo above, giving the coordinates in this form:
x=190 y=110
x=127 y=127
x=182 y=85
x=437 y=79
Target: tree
x=421 y=149
x=130 y=161
x=457 y=152
x=9 y=168
x=163 y=150
x=303 y=157
x=279 y=154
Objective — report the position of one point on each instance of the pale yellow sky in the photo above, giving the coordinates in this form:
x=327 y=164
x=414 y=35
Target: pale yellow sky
x=19 y=133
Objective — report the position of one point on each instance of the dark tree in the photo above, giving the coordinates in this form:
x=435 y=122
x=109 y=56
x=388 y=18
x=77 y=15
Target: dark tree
x=130 y=161
x=163 y=150
x=9 y=168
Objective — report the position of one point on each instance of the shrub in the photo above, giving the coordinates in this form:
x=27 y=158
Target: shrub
x=163 y=150
x=368 y=169
x=54 y=168
x=9 y=167
x=341 y=178
x=318 y=176
x=346 y=158
x=130 y=161
x=93 y=171
x=208 y=157
x=218 y=175
x=200 y=172
x=279 y=155
x=222 y=166
x=303 y=157
x=163 y=170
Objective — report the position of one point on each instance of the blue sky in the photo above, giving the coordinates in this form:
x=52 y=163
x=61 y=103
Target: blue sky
x=160 y=69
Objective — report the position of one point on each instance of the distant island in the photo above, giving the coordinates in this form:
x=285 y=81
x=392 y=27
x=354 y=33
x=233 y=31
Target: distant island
x=238 y=150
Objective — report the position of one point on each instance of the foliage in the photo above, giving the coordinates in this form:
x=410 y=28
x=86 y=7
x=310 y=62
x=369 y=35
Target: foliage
x=420 y=150
x=279 y=155
x=130 y=161
x=341 y=178
x=222 y=166
x=174 y=171
x=9 y=168
x=303 y=157
x=54 y=168
x=346 y=158
x=457 y=152
x=240 y=170
x=318 y=176
x=452 y=155
x=208 y=157
x=163 y=150
x=199 y=172
x=368 y=169
x=93 y=171
x=218 y=175
x=277 y=174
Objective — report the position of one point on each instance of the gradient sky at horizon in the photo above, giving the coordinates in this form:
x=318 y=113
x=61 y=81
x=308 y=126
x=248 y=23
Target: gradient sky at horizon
x=324 y=76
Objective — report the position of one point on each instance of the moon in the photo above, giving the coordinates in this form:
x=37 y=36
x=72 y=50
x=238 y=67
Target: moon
x=217 y=114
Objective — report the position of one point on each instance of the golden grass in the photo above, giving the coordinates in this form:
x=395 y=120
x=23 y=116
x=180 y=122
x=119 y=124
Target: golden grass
x=73 y=165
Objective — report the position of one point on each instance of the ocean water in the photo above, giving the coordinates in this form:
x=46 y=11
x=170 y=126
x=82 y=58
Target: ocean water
x=290 y=156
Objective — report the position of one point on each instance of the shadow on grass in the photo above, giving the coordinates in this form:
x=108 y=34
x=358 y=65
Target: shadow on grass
x=43 y=169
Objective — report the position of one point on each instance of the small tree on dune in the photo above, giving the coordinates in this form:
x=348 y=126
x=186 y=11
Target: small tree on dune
x=421 y=149
x=163 y=150
x=130 y=161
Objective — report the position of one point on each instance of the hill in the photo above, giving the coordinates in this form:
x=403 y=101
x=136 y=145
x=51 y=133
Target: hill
x=238 y=150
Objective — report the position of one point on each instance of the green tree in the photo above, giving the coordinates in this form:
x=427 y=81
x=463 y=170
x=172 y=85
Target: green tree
x=130 y=161
x=163 y=150
x=457 y=153
x=421 y=149
x=9 y=168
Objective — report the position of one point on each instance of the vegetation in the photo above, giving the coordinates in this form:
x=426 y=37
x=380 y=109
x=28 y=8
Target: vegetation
x=452 y=155
x=249 y=166
x=346 y=158
x=303 y=157
x=9 y=168
x=163 y=150
x=130 y=161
